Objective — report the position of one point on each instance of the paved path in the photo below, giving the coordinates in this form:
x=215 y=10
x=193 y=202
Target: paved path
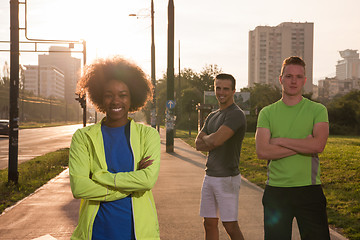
x=51 y=212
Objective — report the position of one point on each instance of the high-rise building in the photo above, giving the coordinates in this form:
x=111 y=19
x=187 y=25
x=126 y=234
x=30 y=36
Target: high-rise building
x=51 y=82
x=349 y=66
x=269 y=46
x=347 y=76
x=61 y=58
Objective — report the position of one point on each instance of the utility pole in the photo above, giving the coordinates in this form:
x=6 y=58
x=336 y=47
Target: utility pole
x=13 y=175
x=84 y=104
x=153 y=78
x=179 y=86
x=170 y=104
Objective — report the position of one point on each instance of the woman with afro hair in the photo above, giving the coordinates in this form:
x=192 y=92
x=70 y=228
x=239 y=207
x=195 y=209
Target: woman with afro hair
x=115 y=163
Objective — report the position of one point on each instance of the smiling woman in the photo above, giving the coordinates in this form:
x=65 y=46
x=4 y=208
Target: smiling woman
x=115 y=163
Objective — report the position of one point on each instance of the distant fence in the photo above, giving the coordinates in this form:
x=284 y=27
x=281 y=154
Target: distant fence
x=38 y=109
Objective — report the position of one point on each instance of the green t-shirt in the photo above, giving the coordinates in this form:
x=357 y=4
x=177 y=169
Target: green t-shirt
x=293 y=122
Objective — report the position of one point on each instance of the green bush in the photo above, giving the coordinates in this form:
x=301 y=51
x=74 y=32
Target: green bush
x=251 y=122
x=338 y=129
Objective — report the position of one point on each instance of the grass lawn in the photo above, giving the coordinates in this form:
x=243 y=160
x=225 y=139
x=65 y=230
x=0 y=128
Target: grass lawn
x=340 y=166
x=340 y=176
x=32 y=175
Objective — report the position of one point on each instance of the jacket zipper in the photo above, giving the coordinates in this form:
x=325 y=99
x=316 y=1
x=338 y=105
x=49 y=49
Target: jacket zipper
x=132 y=202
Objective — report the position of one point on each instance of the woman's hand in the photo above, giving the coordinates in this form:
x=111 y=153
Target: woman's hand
x=145 y=162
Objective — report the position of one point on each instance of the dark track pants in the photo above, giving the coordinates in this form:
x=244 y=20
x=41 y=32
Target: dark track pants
x=306 y=204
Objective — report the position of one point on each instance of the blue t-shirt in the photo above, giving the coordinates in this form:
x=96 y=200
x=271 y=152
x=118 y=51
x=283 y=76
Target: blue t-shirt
x=114 y=219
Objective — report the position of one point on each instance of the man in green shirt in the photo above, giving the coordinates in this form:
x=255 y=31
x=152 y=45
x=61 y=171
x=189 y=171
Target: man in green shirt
x=290 y=134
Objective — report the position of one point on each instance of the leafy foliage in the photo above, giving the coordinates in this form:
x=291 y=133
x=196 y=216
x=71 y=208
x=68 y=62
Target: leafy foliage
x=189 y=91
x=262 y=95
x=344 y=114
x=205 y=80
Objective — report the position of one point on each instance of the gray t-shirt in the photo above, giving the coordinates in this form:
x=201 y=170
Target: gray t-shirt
x=223 y=161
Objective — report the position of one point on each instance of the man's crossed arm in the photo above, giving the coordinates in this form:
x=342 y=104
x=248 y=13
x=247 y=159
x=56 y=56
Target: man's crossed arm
x=274 y=148
x=207 y=143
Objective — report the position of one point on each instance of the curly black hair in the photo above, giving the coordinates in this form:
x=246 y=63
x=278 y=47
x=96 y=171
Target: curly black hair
x=97 y=74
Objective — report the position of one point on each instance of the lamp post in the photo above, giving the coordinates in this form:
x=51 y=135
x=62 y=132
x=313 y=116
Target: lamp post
x=170 y=119
x=153 y=78
x=13 y=174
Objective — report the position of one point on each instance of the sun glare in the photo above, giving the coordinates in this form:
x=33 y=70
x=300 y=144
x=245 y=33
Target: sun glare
x=105 y=25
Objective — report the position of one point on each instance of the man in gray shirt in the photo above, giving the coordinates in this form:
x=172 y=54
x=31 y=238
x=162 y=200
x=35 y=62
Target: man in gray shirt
x=222 y=136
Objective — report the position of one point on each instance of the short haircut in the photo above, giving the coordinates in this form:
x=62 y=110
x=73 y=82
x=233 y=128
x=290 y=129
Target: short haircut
x=293 y=60
x=225 y=76
x=99 y=73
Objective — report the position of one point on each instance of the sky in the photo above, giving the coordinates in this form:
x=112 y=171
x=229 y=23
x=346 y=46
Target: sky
x=209 y=31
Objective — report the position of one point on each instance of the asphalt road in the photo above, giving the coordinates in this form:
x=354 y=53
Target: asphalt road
x=37 y=141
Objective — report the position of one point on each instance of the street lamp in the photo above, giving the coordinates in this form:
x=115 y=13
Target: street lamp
x=153 y=78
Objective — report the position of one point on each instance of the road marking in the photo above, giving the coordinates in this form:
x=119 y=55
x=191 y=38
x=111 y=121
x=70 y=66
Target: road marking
x=45 y=237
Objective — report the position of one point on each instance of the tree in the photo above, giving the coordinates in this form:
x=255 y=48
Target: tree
x=187 y=76
x=205 y=80
x=4 y=91
x=262 y=95
x=193 y=85
x=344 y=114
x=187 y=116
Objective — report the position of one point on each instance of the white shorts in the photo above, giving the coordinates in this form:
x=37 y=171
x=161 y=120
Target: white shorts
x=220 y=195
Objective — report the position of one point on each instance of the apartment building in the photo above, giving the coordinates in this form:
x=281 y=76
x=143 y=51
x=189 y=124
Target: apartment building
x=61 y=58
x=269 y=46
x=51 y=82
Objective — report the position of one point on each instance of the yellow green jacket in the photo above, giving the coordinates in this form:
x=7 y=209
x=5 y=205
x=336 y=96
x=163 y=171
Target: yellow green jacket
x=92 y=183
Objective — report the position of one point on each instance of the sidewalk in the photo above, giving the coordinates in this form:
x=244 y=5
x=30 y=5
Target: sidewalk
x=51 y=212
